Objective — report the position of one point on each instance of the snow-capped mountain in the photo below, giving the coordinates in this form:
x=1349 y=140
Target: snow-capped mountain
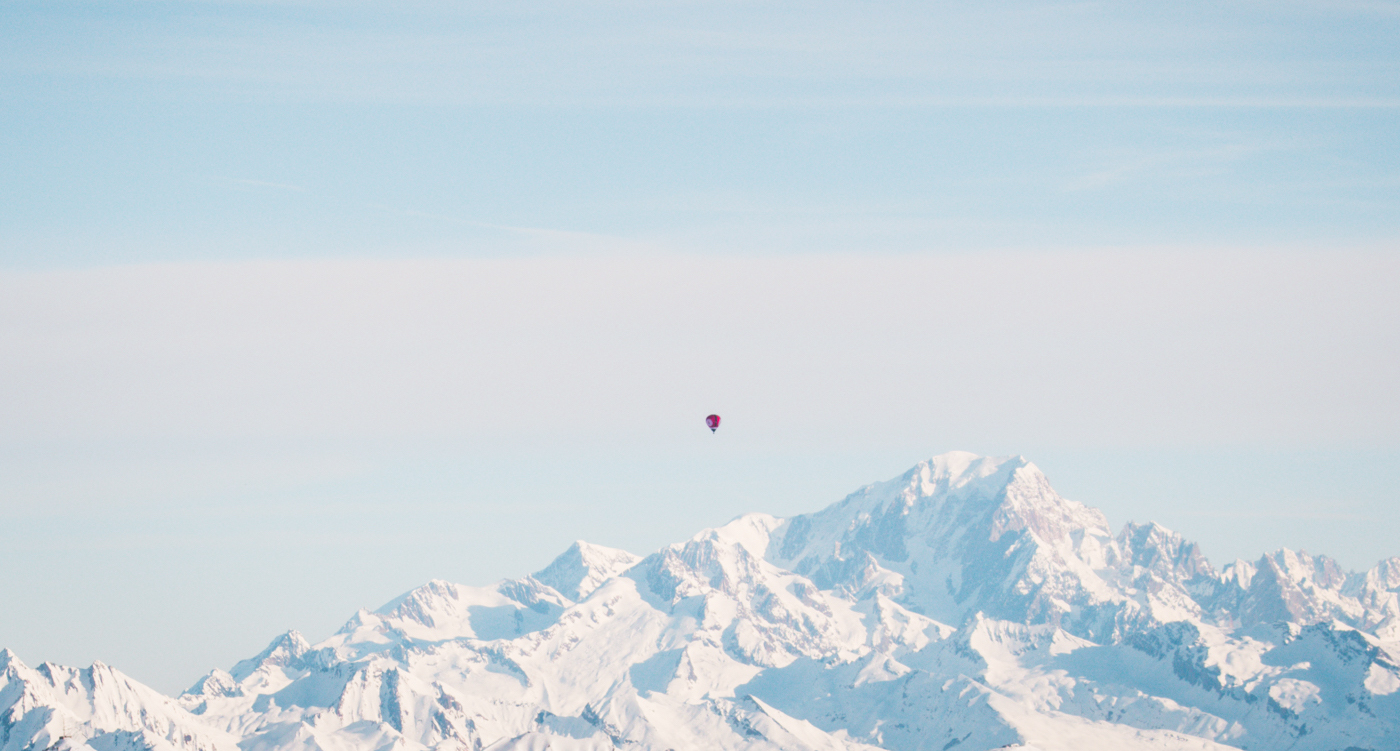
x=963 y=605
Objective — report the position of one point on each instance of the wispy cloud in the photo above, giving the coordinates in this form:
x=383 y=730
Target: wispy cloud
x=1178 y=161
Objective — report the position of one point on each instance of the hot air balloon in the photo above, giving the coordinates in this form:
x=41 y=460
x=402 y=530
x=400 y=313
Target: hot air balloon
x=713 y=422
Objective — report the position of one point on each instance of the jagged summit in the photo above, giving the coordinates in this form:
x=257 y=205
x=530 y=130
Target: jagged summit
x=962 y=533
x=956 y=474
x=962 y=605
x=1003 y=494
x=97 y=708
x=580 y=569
x=216 y=683
x=1163 y=552
x=282 y=651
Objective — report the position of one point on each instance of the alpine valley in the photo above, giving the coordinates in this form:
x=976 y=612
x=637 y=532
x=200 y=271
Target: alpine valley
x=963 y=605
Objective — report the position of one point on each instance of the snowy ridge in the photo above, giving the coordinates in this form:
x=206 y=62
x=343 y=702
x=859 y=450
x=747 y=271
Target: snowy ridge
x=964 y=605
x=93 y=709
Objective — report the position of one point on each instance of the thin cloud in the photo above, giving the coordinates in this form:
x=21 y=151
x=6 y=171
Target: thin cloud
x=1143 y=164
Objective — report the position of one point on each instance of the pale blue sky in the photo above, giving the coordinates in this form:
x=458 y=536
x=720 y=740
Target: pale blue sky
x=302 y=303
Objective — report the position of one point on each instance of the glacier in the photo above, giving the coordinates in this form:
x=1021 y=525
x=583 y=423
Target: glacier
x=963 y=605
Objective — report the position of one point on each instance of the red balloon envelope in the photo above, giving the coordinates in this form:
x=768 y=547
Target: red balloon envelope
x=713 y=422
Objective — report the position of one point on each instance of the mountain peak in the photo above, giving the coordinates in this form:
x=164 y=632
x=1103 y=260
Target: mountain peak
x=749 y=531
x=215 y=683
x=583 y=567
x=939 y=495
x=1028 y=502
x=1300 y=567
x=435 y=604
x=965 y=464
x=281 y=652
x=962 y=532
x=955 y=470
x=1162 y=551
